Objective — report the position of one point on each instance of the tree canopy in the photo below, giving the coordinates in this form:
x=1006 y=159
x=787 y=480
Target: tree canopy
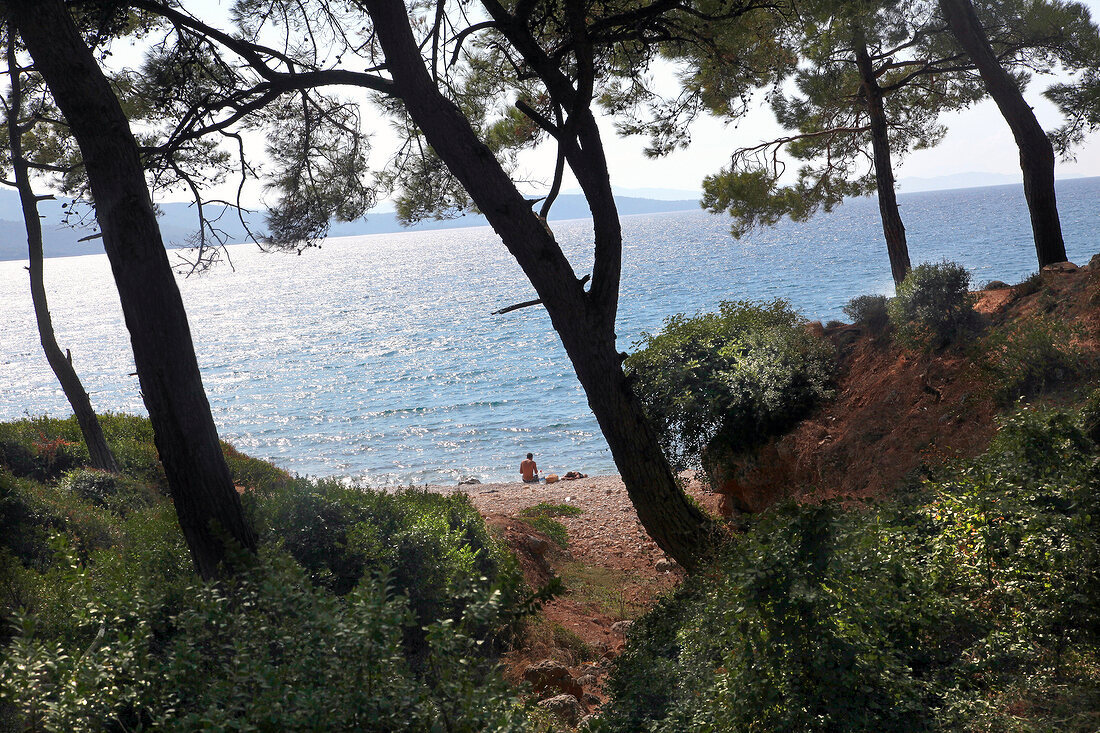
x=859 y=85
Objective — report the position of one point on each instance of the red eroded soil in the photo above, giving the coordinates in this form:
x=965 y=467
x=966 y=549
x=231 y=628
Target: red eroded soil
x=898 y=411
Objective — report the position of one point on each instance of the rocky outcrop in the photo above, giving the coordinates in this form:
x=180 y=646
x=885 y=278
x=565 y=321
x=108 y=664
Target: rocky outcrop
x=549 y=676
x=565 y=707
x=622 y=627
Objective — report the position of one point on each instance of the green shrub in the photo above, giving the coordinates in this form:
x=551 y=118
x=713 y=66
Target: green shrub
x=1031 y=357
x=1091 y=416
x=552 y=528
x=541 y=516
x=19 y=532
x=268 y=651
x=870 y=312
x=36 y=448
x=792 y=634
x=30 y=511
x=943 y=612
x=570 y=641
x=933 y=307
x=252 y=473
x=131 y=440
x=115 y=492
x=391 y=621
x=545 y=509
x=433 y=545
x=18 y=458
x=43 y=448
x=729 y=379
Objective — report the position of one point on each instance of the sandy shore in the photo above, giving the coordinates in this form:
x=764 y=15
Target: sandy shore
x=507 y=498
x=606 y=532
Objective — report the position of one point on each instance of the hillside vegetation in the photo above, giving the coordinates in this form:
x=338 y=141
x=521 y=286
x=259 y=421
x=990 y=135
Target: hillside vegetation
x=364 y=610
x=947 y=590
x=962 y=593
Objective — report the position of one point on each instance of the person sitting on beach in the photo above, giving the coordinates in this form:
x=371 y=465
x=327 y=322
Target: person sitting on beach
x=529 y=470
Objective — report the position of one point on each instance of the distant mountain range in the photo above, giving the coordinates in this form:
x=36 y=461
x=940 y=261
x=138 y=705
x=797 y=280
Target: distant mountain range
x=177 y=223
x=914 y=184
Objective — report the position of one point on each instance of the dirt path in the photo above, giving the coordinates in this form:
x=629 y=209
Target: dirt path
x=612 y=571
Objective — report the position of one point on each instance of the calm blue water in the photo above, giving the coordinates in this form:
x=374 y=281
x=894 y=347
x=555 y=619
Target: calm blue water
x=376 y=358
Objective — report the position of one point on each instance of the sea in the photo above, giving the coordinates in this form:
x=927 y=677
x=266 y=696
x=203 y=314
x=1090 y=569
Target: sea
x=378 y=360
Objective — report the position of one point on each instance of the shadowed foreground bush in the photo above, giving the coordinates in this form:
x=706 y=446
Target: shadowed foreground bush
x=363 y=611
x=435 y=547
x=1032 y=357
x=972 y=607
x=44 y=448
x=268 y=651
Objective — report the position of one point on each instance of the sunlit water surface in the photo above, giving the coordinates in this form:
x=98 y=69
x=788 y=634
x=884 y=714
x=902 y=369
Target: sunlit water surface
x=376 y=358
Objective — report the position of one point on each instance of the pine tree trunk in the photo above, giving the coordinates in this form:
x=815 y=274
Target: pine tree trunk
x=206 y=502
x=892 y=227
x=581 y=320
x=1036 y=151
x=98 y=451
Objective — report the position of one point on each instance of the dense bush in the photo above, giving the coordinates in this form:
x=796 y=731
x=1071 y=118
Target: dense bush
x=1030 y=285
x=870 y=312
x=976 y=608
x=31 y=511
x=933 y=306
x=364 y=611
x=268 y=651
x=252 y=473
x=1031 y=357
x=1091 y=416
x=434 y=545
x=729 y=379
x=116 y=492
x=44 y=448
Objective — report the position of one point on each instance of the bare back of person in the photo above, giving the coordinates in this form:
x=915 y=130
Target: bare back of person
x=529 y=470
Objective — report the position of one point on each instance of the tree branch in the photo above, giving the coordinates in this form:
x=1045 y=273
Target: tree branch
x=529 y=303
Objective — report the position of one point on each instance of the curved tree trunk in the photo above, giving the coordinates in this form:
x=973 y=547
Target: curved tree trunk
x=1036 y=151
x=206 y=502
x=98 y=451
x=582 y=320
x=892 y=227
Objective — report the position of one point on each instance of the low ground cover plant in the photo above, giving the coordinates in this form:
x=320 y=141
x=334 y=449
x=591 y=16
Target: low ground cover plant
x=541 y=517
x=726 y=381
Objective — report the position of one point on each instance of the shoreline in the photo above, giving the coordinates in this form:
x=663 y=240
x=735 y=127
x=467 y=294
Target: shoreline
x=606 y=532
